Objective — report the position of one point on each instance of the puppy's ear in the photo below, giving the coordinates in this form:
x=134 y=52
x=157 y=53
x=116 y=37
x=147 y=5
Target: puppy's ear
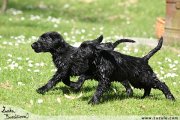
x=56 y=35
x=98 y=40
x=58 y=38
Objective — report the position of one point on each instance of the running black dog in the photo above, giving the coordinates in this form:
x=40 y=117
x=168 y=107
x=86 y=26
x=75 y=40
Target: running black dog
x=113 y=66
x=61 y=53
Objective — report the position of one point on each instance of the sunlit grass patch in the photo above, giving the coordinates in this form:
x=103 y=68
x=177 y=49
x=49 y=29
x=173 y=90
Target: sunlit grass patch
x=23 y=71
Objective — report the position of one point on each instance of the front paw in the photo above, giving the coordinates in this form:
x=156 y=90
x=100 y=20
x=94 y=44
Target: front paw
x=129 y=92
x=41 y=90
x=76 y=87
x=94 y=101
x=170 y=97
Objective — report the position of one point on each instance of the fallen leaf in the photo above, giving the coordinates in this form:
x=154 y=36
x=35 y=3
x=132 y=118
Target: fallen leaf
x=87 y=1
x=73 y=97
x=143 y=106
x=114 y=90
x=80 y=95
x=69 y=97
x=58 y=100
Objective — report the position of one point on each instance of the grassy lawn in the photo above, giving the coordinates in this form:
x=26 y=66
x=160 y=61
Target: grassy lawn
x=22 y=71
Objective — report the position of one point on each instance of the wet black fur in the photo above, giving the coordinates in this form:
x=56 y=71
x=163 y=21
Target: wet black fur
x=113 y=66
x=61 y=52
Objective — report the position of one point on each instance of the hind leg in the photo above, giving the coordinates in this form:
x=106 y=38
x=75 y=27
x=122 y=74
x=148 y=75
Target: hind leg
x=101 y=88
x=147 y=92
x=129 y=90
x=163 y=87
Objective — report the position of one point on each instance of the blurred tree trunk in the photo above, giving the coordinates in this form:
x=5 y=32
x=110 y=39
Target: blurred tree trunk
x=4 y=6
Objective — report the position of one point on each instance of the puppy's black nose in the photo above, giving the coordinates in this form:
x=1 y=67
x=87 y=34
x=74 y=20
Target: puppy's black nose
x=34 y=45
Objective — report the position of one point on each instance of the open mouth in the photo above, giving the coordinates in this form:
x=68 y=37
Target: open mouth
x=37 y=50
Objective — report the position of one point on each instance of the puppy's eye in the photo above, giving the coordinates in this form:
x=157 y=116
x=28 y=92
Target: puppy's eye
x=43 y=40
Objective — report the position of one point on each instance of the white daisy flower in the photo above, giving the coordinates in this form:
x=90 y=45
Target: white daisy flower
x=30 y=61
x=168 y=59
x=40 y=101
x=73 y=37
x=6 y=68
x=83 y=30
x=174 y=69
x=10 y=19
x=5 y=43
x=22 y=18
x=65 y=34
x=20 y=84
x=82 y=37
x=37 y=64
x=27 y=59
x=93 y=29
x=172 y=65
x=19 y=58
x=35 y=17
x=10 y=43
x=54 y=70
x=136 y=50
x=20 y=67
x=66 y=6
x=16 y=44
x=125 y=48
x=55 y=26
x=162 y=72
x=9 y=55
x=77 y=44
x=41 y=64
x=159 y=63
x=9 y=60
x=174 y=83
x=101 y=28
x=36 y=71
x=176 y=62
x=30 y=65
x=58 y=100
x=31 y=102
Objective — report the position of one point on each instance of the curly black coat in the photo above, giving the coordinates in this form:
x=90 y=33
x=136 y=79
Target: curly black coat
x=61 y=52
x=113 y=66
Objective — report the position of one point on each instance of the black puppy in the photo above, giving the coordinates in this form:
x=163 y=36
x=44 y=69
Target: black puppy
x=89 y=74
x=61 y=52
x=114 y=66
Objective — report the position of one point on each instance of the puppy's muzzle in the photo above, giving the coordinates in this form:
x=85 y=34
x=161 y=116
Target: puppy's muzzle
x=34 y=45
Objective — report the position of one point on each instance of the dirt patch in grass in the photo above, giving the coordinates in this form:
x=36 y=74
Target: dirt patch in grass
x=6 y=85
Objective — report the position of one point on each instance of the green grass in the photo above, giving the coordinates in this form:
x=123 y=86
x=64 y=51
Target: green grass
x=81 y=21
